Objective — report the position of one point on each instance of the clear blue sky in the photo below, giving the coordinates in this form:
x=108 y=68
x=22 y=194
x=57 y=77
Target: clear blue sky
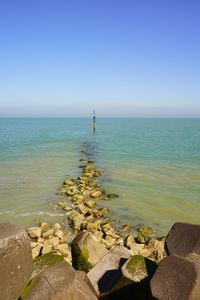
x=123 y=58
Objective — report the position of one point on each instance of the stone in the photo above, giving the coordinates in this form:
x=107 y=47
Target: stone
x=56 y=226
x=183 y=239
x=126 y=228
x=68 y=182
x=15 y=260
x=44 y=226
x=137 y=268
x=48 y=233
x=111 y=196
x=86 y=251
x=34 y=232
x=63 y=248
x=91 y=203
x=156 y=247
x=58 y=282
x=106 y=273
x=53 y=241
x=144 y=234
x=96 y=194
x=34 y=244
x=103 y=211
x=176 y=278
x=59 y=233
x=47 y=247
x=40 y=240
x=77 y=220
x=36 y=251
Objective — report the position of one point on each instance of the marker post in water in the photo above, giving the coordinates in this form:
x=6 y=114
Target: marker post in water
x=94 y=121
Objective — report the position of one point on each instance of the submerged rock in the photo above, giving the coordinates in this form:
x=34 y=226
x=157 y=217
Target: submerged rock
x=144 y=234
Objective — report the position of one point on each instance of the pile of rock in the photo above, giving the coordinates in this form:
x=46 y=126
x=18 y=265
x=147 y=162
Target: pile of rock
x=80 y=203
x=45 y=239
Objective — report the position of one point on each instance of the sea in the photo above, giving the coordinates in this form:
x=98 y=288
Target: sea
x=153 y=164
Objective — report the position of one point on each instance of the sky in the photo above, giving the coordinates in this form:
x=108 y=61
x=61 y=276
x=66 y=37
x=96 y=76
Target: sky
x=125 y=58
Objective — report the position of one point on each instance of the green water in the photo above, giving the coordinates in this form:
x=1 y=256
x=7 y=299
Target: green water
x=153 y=164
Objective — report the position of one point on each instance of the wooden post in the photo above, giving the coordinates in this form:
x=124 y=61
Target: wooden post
x=94 y=122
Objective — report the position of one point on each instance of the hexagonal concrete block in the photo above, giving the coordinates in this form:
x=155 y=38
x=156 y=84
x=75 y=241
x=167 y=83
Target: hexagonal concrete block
x=15 y=260
x=183 y=239
x=176 y=278
x=58 y=282
x=107 y=272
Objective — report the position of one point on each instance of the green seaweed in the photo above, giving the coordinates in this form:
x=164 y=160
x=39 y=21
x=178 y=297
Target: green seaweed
x=80 y=258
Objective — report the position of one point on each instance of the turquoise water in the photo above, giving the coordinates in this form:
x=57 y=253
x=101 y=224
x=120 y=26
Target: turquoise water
x=153 y=164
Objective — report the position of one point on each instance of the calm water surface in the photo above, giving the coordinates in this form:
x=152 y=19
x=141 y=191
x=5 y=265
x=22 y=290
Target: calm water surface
x=153 y=164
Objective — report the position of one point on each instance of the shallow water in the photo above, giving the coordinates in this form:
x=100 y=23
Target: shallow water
x=153 y=164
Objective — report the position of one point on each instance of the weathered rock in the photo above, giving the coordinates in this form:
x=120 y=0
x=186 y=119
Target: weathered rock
x=68 y=182
x=103 y=211
x=176 y=278
x=126 y=228
x=58 y=282
x=57 y=226
x=47 y=247
x=112 y=195
x=59 y=233
x=36 y=251
x=86 y=251
x=137 y=268
x=34 y=232
x=156 y=247
x=106 y=273
x=183 y=239
x=63 y=248
x=144 y=234
x=15 y=260
x=44 y=226
x=96 y=194
x=77 y=220
x=91 y=203
x=47 y=234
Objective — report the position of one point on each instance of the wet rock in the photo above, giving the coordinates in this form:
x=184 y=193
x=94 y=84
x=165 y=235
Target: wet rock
x=86 y=251
x=107 y=272
x=77 y=220
x=96 y=194
x=68 y=182
x=34 y=232
x=15 y=260
x=183 y=239
x=58 y=282
x=91 y=203
x=103 y=211
x=126 y=228
x=112 y=195
x=176 y=278
x=144 y=234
